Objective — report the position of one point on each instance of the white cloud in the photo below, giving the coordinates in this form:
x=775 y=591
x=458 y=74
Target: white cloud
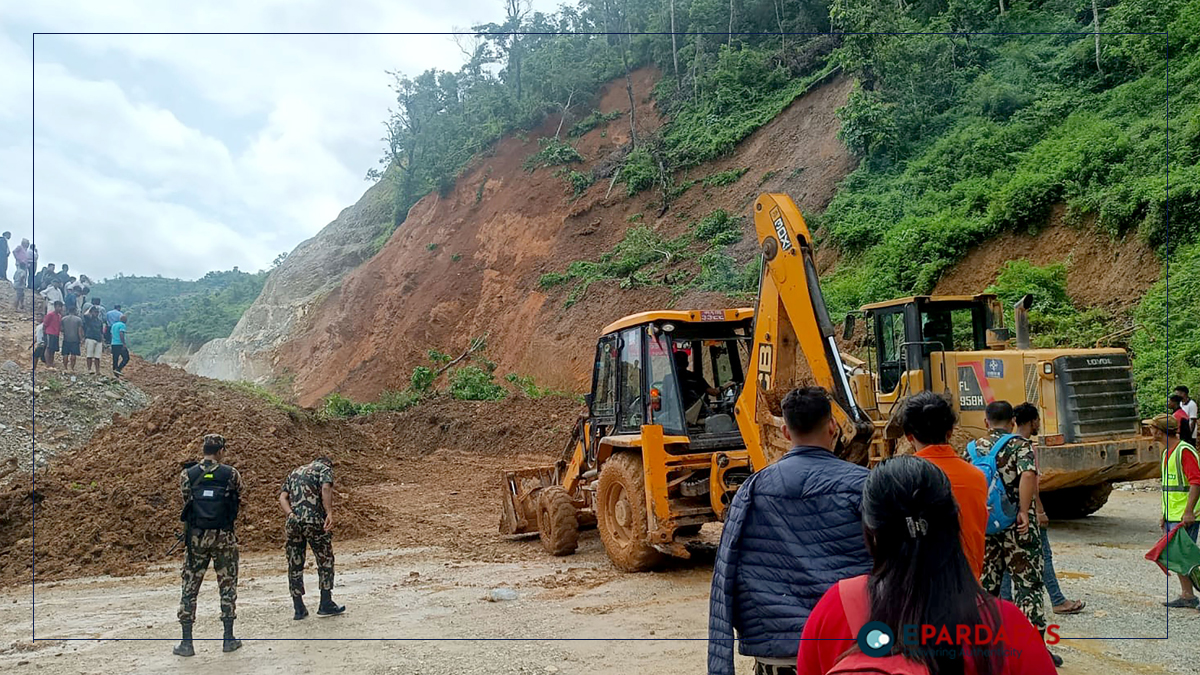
x=177 y=154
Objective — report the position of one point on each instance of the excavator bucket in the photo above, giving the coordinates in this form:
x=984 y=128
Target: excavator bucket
x=519 y=497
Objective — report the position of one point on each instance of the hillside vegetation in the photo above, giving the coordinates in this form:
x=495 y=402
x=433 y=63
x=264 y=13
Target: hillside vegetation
x=998 y=114
x=173 y=312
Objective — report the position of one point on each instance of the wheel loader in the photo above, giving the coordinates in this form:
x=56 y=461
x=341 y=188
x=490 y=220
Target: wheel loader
x=685 y=405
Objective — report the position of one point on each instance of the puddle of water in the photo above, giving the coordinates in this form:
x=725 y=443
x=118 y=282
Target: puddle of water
x=1072 y=575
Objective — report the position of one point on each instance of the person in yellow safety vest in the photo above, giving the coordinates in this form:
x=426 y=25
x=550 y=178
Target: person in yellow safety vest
x=1180 y=491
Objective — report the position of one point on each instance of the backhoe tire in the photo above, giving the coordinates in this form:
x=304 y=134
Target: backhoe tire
x=558 y=524
x=1076 y=502
x=621 y=514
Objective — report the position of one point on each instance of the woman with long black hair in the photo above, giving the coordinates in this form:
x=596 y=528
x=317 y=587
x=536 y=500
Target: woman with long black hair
x=921 y=587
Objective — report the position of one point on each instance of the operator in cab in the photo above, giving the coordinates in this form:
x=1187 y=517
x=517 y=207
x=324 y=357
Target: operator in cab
x=692 y=388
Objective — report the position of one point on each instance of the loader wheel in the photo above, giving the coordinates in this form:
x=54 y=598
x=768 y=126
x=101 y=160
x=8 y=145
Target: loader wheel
x=558 y=526
x=1076 y=502
x=621 y=514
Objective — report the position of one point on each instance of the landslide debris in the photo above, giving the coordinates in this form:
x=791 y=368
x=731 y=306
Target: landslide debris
x=69 y=407
x=112 y=506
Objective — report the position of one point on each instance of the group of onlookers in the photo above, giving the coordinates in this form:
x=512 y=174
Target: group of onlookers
x=73 y=324
x=815 y=547
x=88 y=335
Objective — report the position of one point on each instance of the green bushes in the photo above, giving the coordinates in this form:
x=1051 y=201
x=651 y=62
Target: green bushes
x=1158 y=324
x=526 y=385
x=1053 y=320
x=1048 y=285
x=593 y=120
x=553 y=152
x=719 y=229
x=724 y=178
x=644 y=257
x=336 y=406
x=745 y=89
x=472 y=383
x=639 y=172
x=578 y=182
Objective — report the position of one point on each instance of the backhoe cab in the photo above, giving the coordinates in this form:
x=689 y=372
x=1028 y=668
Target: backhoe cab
x=658 y=434
x=958 y=345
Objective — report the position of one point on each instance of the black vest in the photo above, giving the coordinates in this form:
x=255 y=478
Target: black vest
x=213 y=506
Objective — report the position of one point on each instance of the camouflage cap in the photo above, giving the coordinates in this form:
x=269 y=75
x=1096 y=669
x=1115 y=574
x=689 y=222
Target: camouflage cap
x=215 y=441
x=1164 y=423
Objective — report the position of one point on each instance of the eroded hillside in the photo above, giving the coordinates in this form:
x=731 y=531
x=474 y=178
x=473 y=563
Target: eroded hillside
x=468 y=263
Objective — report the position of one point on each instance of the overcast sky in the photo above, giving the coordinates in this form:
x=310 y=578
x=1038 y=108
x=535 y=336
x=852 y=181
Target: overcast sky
x=180 y=154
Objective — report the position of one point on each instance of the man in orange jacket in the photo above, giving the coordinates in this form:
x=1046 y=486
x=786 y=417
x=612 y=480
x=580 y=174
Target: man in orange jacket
x=928 y=420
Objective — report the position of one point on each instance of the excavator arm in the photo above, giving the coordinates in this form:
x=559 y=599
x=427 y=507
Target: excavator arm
x=793 y=341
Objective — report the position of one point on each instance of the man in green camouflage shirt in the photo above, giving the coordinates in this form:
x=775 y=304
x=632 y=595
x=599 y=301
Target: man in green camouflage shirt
x=211 y=495
x=1017 y=550
x=307 y=499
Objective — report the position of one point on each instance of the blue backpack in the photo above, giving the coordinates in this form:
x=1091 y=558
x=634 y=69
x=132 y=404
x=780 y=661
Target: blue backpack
x=1001 y=512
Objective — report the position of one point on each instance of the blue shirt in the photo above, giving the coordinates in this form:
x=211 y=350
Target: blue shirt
x=113 y=316
x=116 y=332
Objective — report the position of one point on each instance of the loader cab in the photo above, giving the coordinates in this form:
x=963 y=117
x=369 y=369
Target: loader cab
x=658 y=368
x=906 y=332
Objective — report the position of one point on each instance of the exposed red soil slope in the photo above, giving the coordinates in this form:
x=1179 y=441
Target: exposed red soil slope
x=368 y=335
x=1101 y=271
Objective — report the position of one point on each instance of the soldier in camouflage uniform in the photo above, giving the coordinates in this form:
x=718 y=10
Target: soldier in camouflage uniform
x=307 y=499
x=1017 y=550
x=211 y=495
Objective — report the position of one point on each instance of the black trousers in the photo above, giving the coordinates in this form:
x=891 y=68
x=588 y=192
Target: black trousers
x=119 y=353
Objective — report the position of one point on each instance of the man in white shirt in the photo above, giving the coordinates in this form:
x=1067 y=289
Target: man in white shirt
x=1189 y=406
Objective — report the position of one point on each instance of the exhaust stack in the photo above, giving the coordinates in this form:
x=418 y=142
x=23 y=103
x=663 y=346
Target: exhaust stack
x=1022 y=321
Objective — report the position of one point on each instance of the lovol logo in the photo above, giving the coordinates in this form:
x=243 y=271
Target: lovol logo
x=1099 y=362
x=876 y=639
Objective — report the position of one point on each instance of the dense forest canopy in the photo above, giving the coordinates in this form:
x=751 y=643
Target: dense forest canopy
x=172 y=312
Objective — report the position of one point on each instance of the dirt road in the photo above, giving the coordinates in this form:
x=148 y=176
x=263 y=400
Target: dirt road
x=417 y=610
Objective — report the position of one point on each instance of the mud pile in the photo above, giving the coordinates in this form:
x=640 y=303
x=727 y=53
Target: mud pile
x=111 y=506
x=70 y=406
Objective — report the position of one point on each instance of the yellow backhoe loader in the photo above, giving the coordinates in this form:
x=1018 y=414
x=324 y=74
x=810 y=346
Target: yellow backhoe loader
x=684 y=405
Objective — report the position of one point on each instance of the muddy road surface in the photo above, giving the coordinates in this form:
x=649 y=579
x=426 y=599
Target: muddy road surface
x=424 y=610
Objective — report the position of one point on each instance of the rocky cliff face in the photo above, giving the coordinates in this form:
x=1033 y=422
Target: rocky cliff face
x=308 y=275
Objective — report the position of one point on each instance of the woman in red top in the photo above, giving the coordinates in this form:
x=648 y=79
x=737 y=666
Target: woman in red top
x=921 y=578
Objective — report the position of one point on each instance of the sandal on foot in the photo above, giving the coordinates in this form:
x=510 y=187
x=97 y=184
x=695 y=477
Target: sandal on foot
x=1070 y=607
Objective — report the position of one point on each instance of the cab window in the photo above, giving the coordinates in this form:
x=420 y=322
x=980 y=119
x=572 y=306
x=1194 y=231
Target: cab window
x=891 y=349
x=604 y=397
x=665 y=406
x=631 y=405
x=953 y=330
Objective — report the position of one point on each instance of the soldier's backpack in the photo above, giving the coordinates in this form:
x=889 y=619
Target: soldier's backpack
x=213 y=506
x=856 y=605
x=1001 y=512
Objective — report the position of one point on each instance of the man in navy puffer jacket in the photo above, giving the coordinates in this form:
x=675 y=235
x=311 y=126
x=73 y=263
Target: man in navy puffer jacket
x=793 y=530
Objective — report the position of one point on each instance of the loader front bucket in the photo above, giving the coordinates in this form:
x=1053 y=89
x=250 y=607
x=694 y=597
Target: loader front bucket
x=519 y=497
